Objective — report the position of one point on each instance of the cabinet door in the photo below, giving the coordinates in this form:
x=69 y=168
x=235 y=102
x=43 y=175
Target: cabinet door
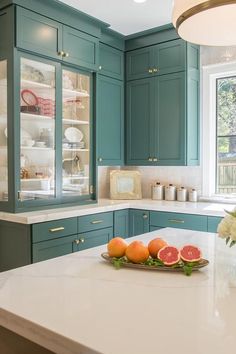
x=140 y=112
x=139 y=63
x=170 y=57
x=80 y=48
x=94 y=238
x=111 y=62
x=110 y=121
x=212 y=223
x=139 y=222
x=121 y=223
x=53 y=248
x=170 y=127
x=38 y=34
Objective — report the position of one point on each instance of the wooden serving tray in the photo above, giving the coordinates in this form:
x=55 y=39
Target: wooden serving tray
x=177 y=268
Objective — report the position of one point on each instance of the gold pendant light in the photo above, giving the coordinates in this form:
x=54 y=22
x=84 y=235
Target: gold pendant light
x=210 y=22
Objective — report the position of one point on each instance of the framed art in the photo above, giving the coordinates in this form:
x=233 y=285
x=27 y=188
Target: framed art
x=125 y=185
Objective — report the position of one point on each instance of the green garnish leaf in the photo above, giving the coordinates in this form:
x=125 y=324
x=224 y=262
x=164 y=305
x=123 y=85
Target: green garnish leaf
x=187 y=269
x=232 y=243
x=118 y=262
x=227 y=240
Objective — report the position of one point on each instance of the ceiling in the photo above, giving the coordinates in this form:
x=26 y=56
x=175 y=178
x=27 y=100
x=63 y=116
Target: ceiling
x=126 y=16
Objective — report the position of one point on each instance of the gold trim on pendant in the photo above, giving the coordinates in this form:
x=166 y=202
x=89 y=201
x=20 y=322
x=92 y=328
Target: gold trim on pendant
x=206 y=5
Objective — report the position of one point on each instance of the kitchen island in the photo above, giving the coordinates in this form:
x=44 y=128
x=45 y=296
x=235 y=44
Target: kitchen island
x=80 y=304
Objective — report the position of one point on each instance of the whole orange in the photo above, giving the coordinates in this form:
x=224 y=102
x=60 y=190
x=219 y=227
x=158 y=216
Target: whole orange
x=155 y=245
x=117 y=247
x=137 y=252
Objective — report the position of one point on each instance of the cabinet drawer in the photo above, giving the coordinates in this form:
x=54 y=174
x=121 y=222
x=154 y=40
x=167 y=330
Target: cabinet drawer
x=53 y=229
x=95 y=222
x=178 y=220
x=212 y=223
x=53 y=248
x=94 y=238
x=111 y=62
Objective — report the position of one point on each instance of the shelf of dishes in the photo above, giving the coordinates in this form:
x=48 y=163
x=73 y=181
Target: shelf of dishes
x=38 y=117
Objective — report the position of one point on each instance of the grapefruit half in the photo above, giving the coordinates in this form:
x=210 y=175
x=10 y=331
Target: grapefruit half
x=190 y=253
x=169 y=255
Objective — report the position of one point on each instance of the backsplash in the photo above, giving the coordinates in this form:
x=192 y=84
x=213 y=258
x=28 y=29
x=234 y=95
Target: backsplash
x=189 y=177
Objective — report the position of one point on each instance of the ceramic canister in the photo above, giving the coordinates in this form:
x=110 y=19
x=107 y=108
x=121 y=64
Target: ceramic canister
x=158 y=191
x=181 y=194
x=192 y=195
x=170 y=192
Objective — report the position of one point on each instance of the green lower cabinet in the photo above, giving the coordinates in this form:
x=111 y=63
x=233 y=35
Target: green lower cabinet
x=212 y=223
x=138 y=222
x=121 y=223
x=94 y=238
x=110 y=121
x=53 y=248
x=154 y=228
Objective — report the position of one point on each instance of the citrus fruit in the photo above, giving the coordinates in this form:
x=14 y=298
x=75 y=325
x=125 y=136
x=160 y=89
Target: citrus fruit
x=190 y=253
x=117 y=247
x=169 y=255
x=137 y=252
x=155 y=245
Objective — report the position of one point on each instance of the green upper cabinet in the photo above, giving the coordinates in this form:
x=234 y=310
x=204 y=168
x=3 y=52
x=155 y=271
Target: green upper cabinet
x=41 y=35
x=110 y=121
x=38 y=34
x=158 y=59
x=111 y=62
x=80 y=48
x=140 y=106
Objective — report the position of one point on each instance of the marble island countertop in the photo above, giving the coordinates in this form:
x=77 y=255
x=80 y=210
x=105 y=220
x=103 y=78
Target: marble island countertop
x=81 y=304
x=105 y=205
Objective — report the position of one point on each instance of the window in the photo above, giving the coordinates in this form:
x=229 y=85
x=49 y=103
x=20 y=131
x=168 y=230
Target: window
x=219 y=131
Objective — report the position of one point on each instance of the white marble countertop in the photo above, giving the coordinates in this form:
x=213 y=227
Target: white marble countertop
x=105 y=205
x=81 y=304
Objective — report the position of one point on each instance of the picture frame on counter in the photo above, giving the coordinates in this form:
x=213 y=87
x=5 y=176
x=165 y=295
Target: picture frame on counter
x=125 y=185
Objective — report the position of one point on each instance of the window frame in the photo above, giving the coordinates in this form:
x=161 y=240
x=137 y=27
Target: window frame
x=210 y=74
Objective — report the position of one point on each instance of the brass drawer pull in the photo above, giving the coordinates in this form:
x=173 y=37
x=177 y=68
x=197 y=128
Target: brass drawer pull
x=155 y=70
x=77 y=242
x=145 y=216
x=56 y=229
x=97 y=222
x=82 y=240
x=150 y=71
x=176 y=221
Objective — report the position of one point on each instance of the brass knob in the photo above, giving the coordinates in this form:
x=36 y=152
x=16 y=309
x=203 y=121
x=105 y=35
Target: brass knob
x=155 y=70
x=77 y=242
x=65 y=55
x=100 y=159
x=82 y=240
x=100 y=67
x=155 y=159
x=145 y=216
x=150 y=71
x=61 y=53
x=150 y=159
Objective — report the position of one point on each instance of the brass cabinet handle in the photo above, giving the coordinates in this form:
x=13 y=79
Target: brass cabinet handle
x=77 y=242
x=57 y=229
x=97 y=222
x=155 y=70
x=61 y=53
x=65 y=55
x=176 y=221
x=82 y=240
x=145 y=216
x=100 y=67
x=100 y=159
x=155 y=159
x=150 y=71
x=150 y=159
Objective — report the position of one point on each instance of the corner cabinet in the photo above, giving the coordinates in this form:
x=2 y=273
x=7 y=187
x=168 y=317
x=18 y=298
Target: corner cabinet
x=163 y=107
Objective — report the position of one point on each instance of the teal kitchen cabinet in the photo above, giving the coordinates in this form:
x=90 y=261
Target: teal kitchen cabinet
x=163 y=117
x=212 y=223
x=49 y=230
x=139 y=222
x=121 y=223
x=41 y=35
x=154 y=60
x=178 y=220
x=111 y=62
x=94 y=238
x=95 y=221
x=110 y=121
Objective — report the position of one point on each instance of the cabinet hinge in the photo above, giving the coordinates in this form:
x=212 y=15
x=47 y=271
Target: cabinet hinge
x=19 y=196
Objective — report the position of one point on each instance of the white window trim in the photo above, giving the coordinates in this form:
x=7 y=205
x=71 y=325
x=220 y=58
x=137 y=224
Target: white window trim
x=209 y=76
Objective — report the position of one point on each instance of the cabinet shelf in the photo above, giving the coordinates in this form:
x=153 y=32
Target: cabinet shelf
x=35 y=84
x=79 y=150
x=75 y=177
x=34 y=179
x=75 y=121
x=28 y=116
x=36 y=148
x=70 y=94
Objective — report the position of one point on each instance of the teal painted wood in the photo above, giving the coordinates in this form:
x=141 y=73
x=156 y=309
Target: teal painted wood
x=82 y=49
x=139 y=222
x=15 y=245
x=178 y=220
x=95 y=238
x=154 y=228
x=95 y=222
x=170 y=120
x=212 y=223
x=53 y=229
x=138 y=63
x=113 y=39
x=139 y=116
x=110 y=121
x=170 y=57
x=38 y=34
x=121 y=223
x=53 y=248
x=111 y=62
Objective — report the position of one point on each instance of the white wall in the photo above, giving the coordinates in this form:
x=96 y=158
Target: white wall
x=190 y=177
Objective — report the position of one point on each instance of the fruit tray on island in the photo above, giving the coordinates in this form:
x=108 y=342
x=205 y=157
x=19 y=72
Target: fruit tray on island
x=158 y=255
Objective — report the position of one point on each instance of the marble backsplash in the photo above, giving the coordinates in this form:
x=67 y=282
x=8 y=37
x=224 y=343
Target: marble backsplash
x=190 y=177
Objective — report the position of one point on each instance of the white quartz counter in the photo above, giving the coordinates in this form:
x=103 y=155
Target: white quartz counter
x=80 y=304
x=104 y=205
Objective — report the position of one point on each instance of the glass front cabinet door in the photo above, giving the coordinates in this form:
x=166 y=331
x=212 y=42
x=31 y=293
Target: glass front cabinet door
x=53 y=131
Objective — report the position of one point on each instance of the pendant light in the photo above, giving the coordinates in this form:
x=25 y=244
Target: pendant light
x=210 y=22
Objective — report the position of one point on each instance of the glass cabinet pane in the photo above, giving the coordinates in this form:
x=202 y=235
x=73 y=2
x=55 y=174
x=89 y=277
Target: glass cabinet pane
x=3 y=132
x=37 y=130
x=76 y=134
